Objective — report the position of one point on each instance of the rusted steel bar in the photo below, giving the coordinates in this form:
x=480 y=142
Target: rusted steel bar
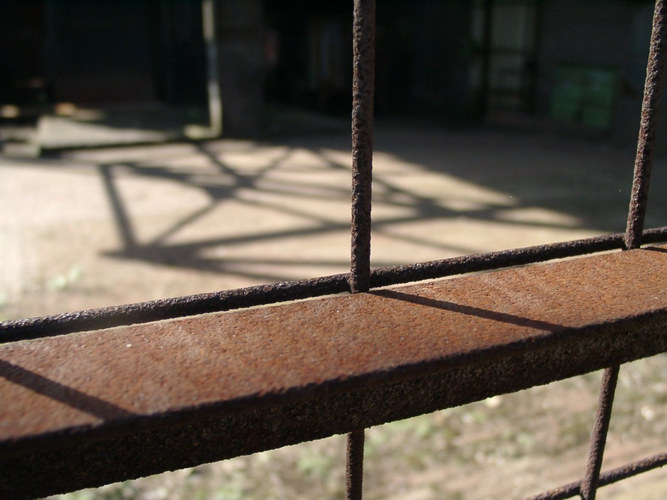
x=654 y=235
x=156 y=310
x=363 y=84
x=354 y=474
x=606 y=478
x=633 y=469
x=363 y=89
x=293 y=290
x=648 y=127
x=141 y=399
x=506 y=258
x=589 y=485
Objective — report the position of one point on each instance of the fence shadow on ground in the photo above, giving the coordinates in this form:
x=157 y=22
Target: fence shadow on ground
x=459 y=190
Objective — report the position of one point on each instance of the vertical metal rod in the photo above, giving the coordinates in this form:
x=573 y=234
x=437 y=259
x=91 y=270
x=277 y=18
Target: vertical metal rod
x=355 y=464
x=647 y=129
x=599 y=436
x=362 y=142
x=363 y=90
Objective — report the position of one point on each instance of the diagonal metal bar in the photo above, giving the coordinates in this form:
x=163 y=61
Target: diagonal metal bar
x=648 y=127
x=599 y=436
x=362 y=142
x=606 y=478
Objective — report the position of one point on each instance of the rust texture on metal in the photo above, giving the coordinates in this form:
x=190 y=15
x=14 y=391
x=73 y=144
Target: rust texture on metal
x=363 y=89
x=145 y=398
x=354 y=473
x=192 y=305
x=589 y=485
x=178 y=382
x=363 y=85
x=606 y=478
x=648 y=127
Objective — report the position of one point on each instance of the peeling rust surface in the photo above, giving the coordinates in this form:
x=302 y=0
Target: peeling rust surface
x=141 y=399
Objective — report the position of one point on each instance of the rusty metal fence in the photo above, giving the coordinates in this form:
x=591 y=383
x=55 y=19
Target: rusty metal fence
x=321 y=408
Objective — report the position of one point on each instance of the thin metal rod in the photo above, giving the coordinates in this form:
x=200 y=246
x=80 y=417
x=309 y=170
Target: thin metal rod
x=363 y=87
x=190 y=305
x=647 y=129
x=362 y=142
x=589 y=485
x=355 y=464
x=609 y=477
x=505 y=258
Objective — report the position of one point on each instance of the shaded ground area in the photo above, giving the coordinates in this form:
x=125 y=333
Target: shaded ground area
x=94 y=227
x=87 y=228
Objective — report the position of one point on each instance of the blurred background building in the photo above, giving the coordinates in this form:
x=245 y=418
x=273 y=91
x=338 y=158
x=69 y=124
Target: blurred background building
x=202 y=68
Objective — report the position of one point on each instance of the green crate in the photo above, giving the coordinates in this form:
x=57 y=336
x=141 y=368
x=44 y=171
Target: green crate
x=598 y=117
x=583 y=94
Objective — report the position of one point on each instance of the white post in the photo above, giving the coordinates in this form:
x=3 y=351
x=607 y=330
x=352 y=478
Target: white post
x=212 y=76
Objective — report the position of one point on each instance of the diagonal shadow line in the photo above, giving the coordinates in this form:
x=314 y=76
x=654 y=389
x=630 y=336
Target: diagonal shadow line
x=122 y=219
x=211 y=156
x=215 y=159
x=377 y=180
x=252 y=181
x=197 y=214
x=423 y=242
x=221 y=266
x=469 y=310
x=305 y=231
x=323 y=221
x=62 y=393
x=428 y=210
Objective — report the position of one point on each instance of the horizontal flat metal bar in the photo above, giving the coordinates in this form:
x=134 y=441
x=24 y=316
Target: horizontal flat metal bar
x=94 y=407
x=192 y=305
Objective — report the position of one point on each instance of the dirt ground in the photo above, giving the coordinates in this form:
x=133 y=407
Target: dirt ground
x=95 y=227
